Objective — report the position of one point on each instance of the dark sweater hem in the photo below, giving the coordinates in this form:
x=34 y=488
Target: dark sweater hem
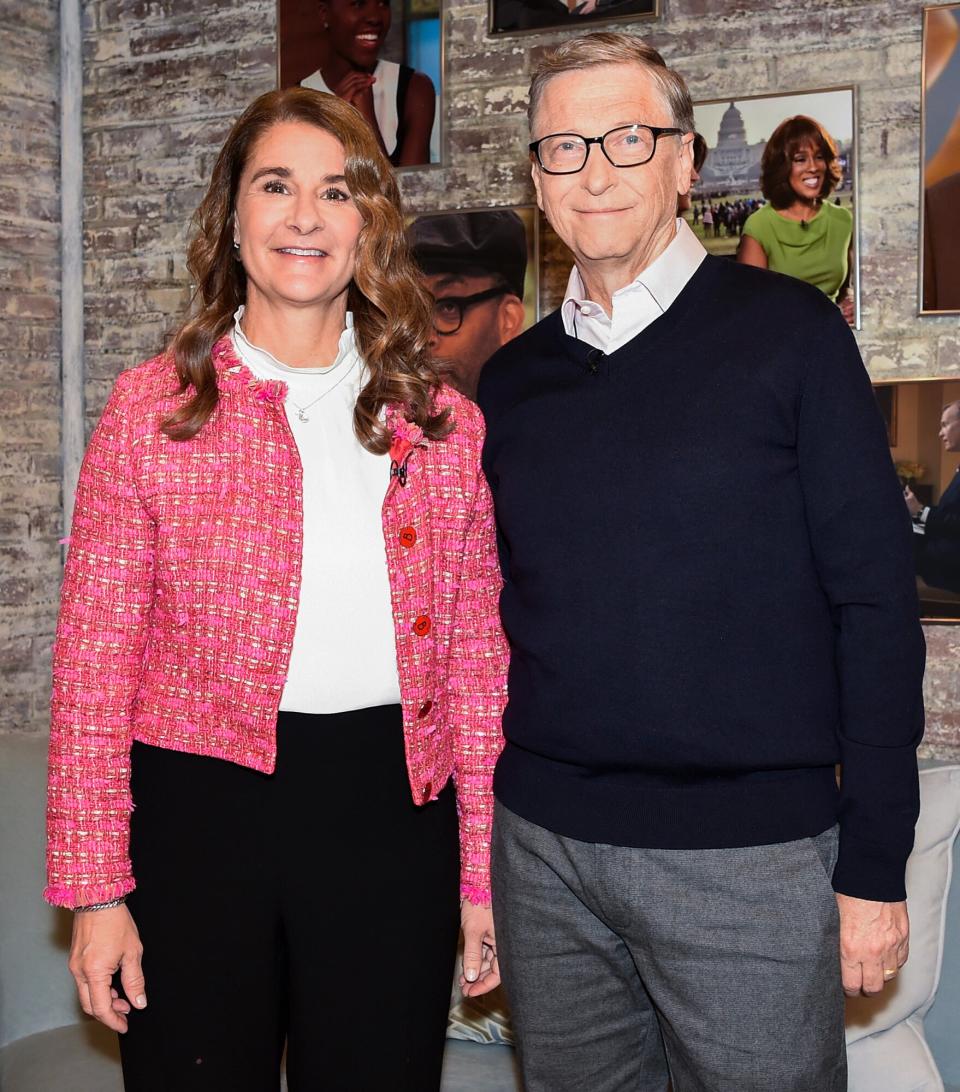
x=650 y=811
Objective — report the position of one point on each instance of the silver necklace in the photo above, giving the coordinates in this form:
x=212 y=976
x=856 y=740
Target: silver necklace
x=302 y=410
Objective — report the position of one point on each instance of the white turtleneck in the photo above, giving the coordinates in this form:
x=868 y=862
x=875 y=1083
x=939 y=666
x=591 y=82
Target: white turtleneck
x=344 y=650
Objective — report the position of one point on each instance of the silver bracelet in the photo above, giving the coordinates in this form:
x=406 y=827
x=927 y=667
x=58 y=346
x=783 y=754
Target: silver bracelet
x=100 y=905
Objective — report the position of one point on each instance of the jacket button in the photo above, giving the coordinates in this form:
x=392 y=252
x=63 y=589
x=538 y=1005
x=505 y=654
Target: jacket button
x=424 y=709
x=427 y=791
x=408 y=537
x=421 y=627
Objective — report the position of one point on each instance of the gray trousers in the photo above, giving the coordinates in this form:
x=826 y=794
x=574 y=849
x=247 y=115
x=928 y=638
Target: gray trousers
x=717 y=969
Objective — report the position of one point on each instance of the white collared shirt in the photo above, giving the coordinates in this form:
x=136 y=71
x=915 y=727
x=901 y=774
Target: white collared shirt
x=639 y=303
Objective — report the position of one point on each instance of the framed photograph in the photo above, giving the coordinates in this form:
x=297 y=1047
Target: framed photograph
x=383 y=56
x=778 y=187
x=525 y=16
x=940 y=161
x=481 y=267
x=923 y=422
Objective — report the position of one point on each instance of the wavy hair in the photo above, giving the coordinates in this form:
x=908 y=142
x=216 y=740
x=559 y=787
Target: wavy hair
x=392 y=312
x=777 y=162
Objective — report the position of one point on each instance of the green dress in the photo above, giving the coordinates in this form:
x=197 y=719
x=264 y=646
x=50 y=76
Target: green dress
x=817 y=253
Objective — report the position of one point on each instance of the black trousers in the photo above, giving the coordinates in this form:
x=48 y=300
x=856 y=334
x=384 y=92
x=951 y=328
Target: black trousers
x=315 y=908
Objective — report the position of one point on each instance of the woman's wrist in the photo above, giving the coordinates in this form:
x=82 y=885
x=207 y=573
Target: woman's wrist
x=110 y=904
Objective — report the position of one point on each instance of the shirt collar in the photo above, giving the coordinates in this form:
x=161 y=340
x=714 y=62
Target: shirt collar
x=264 y=363
x=664 y=279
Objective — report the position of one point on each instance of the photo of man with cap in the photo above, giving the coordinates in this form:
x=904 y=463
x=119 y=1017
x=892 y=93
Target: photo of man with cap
x=474 y=265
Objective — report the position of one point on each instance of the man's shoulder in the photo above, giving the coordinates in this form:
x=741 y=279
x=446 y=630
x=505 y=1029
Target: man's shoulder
x=763 y=293
x=521 y=352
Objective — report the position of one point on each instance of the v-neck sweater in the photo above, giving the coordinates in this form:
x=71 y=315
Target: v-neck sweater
x=709 y=588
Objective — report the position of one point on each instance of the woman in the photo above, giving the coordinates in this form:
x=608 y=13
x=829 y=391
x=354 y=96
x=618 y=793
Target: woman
x=279 y=623
x=398 y=103
x=799 y=232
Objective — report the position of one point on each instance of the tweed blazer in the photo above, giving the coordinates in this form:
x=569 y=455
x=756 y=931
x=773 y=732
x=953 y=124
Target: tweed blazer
x=180 y=597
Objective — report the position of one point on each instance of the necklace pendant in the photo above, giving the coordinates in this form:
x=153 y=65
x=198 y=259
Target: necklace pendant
x=303 y=417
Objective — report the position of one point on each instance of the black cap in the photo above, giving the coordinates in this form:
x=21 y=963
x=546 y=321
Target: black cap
x=484 y=243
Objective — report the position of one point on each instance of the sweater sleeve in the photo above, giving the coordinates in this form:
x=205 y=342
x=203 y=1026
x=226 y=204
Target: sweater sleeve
x=98 y=653
x=861 y=540
x=477 y=689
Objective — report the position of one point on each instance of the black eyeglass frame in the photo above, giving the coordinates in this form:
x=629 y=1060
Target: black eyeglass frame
x=657 y=131
x=463 y=302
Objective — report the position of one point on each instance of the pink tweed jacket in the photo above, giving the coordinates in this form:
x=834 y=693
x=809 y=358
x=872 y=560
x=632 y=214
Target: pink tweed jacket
x=180 y=597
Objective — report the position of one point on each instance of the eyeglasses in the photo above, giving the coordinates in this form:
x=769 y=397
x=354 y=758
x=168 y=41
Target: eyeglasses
x=625 y=146
x=448 y=310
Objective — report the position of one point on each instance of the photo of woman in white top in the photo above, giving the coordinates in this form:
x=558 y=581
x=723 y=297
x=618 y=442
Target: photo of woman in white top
x=398 y=102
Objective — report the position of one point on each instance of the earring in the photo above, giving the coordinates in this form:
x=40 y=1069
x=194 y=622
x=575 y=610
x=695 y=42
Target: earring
x=236 y=245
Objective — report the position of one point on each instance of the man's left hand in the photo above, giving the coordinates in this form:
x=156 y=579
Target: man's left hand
x=874 y=943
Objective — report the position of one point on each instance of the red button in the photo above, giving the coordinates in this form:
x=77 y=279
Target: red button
x=427 y=791
x=408 y=537
x=421 y=627
x=424 y=709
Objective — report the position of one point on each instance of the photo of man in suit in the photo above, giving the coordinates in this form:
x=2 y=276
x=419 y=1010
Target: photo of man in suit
x=938 y=558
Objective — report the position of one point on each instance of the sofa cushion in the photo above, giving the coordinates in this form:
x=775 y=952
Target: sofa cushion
x=873 y=1048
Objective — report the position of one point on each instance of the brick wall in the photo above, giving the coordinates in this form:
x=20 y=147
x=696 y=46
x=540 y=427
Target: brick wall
x=164 y=80
x=30 y=511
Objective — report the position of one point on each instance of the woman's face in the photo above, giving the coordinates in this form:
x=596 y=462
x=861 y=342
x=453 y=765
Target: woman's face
x=808 y=171
x=295 y=220
x=357 y=29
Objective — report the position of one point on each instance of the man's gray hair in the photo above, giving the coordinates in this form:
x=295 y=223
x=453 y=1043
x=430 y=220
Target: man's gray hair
x=605 y=47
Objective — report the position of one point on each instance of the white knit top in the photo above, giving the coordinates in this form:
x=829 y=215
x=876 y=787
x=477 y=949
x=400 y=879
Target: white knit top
x=344 y=650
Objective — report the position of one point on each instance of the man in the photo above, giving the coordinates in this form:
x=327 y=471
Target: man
x=474 y=265
x=938 y=558
x=705 y=616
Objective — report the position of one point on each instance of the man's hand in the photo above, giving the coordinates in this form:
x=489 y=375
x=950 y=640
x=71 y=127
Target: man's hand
x=480 y=971
x=103 y=942
x=914 y=507
x=874 y=943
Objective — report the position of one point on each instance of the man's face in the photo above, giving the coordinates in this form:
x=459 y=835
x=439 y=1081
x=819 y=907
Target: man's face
x=611 y=216
x=950 y=428
x=486 y=326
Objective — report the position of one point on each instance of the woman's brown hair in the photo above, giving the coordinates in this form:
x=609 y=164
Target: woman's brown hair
x=777 y=162
x=392 y=312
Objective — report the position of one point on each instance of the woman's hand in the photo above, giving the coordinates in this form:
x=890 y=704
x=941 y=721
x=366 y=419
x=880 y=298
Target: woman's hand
x=103 y=941
x=357 y=89
x=480 y=971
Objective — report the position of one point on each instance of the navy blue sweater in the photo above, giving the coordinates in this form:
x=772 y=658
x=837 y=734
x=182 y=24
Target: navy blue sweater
x=709 y=596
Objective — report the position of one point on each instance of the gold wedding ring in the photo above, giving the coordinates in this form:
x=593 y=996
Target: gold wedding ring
x=888 y=973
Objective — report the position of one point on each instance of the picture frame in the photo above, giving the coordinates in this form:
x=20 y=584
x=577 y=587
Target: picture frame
x=939 y=279
x=736 y=131
x=478 y=257
x=913 y=410
x=388 y=62
x=515 y=17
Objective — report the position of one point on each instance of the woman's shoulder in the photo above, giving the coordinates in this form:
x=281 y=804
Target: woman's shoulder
x=153 y=380
x=468 y=428
x=838 y=212
x=759 y=221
